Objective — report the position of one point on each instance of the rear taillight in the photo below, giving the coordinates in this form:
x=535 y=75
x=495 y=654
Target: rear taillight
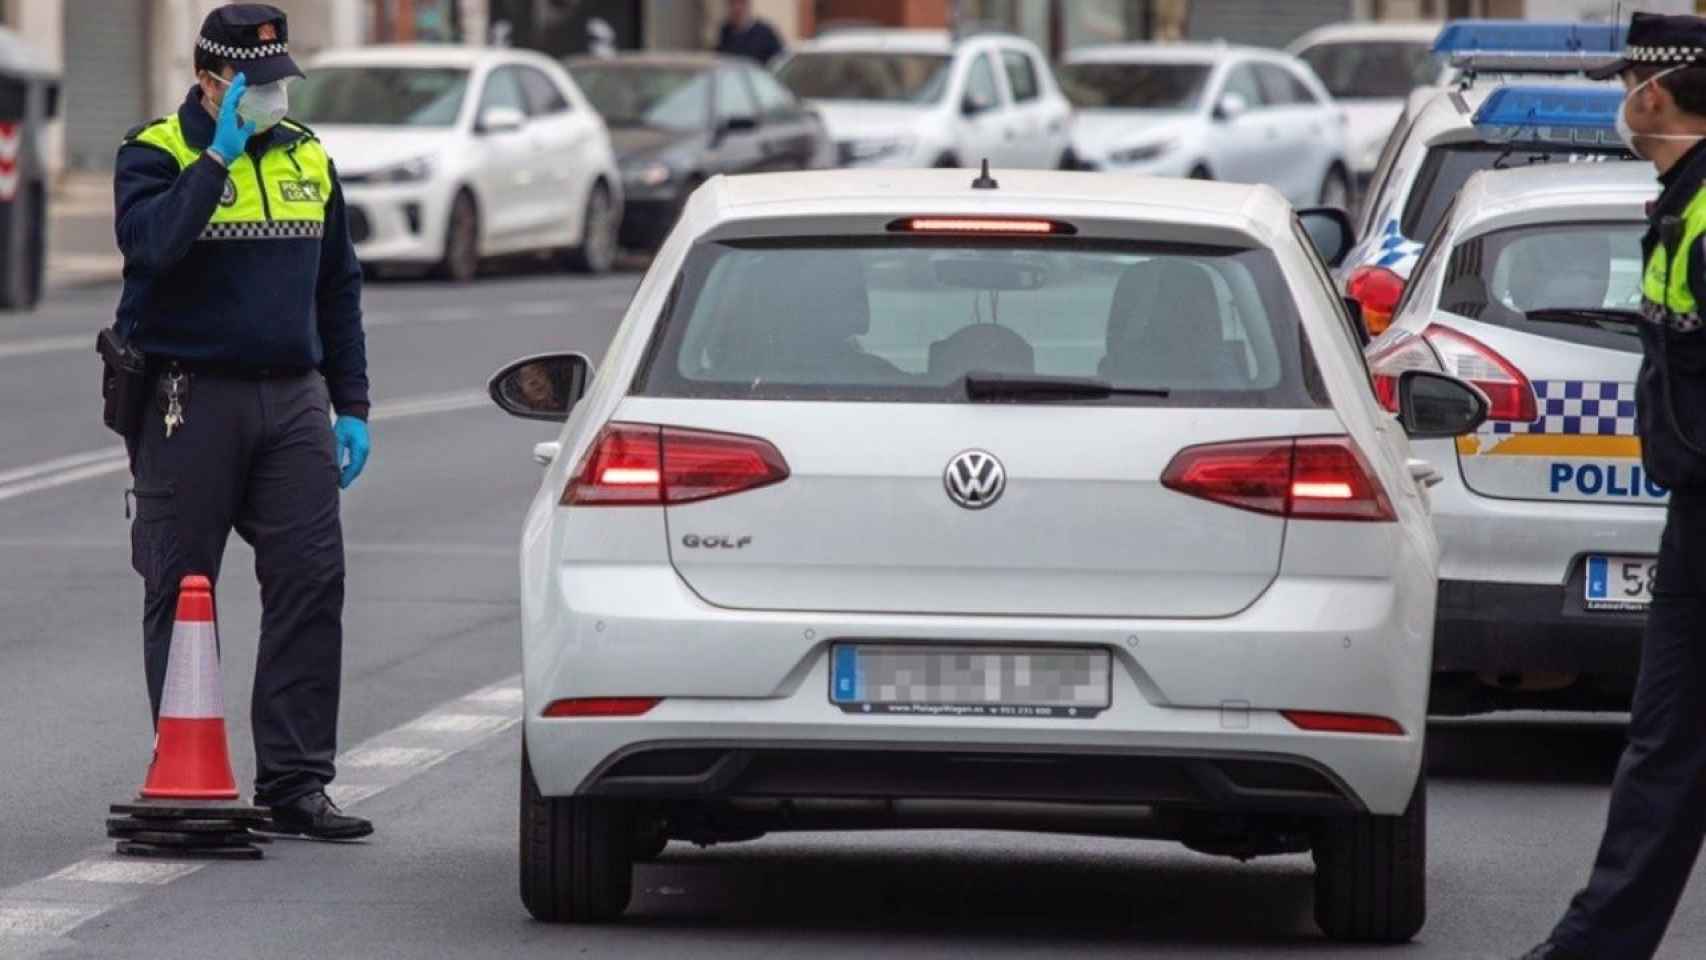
x=1305 y=478
x=1377 y=290
x=1510 y=395
x=1409 y=353
x=637 y=464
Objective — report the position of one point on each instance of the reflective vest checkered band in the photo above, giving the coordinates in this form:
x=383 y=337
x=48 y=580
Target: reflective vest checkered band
x=1656 y=314
x=242 y=53
x=264 y=230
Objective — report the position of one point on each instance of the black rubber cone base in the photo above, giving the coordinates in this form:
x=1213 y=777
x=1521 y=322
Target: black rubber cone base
x=191 y=810
x=127 y=825
x=136 y=848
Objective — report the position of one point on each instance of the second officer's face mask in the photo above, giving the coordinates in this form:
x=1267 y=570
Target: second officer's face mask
x=1629 y=134
x=264 y=105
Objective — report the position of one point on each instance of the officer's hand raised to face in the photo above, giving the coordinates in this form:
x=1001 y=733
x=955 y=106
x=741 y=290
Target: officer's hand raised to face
x=232 y=134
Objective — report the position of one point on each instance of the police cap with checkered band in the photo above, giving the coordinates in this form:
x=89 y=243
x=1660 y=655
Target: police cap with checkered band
x=254 y=37
x=1659 y=40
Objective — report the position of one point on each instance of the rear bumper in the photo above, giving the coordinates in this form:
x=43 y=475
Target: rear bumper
x=1498 y=628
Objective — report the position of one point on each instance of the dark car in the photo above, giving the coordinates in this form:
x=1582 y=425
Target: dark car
x=677 y=119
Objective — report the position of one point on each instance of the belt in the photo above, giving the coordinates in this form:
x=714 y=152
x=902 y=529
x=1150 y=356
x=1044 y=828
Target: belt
x=236 y=371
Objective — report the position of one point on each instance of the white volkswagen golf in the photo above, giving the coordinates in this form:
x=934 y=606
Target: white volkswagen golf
x=1053 y=501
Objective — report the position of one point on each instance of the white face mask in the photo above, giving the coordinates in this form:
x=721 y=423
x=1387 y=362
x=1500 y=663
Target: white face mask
x=1629 y=134
x=264 y=105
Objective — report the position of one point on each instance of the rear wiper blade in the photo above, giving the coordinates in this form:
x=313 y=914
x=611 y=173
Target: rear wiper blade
x=1599 y=317
x=1004 y=386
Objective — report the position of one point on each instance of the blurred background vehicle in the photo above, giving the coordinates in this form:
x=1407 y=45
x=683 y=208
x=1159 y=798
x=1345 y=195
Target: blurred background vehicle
x=676 y=119
x=1370 y=68
x=452 y=154
x=1531 y=289
x=921 y=98
x=1208 y=112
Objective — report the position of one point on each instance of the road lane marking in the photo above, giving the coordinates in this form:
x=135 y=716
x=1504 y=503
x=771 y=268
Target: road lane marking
x=37 y=915
x=29 y=348
x=49 y=474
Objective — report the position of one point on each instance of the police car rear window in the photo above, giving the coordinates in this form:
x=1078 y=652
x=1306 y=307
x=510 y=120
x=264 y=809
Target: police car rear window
x=1447 y=167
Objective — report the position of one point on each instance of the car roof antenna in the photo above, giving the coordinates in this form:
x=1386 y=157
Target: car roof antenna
x=984 y=181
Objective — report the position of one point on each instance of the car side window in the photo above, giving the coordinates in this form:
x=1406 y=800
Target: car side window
x=544 y=97
x=1021 y=75
x=734 y=99
x=774 y=100
x=980 y=83
x=1279 y=87
x=503 y=89
x=1242 y=81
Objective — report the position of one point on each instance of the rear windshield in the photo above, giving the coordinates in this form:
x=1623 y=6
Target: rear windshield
x=1386 y=69
x=1447 y=167
x=906 y=321
x=1134 y=86
x=1530 y=278
x=894 y=77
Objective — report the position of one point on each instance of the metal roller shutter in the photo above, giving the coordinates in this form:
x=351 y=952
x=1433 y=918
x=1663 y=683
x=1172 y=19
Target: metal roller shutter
x=1265 y=23
x=105 y=89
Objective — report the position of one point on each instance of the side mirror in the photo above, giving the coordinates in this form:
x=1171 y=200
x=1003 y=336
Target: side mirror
x=1231 y=107
x=739 y=124
x=1433 y=405
x=973 y=105
x=543 y=387
x=1331 y=231
x=501 y=120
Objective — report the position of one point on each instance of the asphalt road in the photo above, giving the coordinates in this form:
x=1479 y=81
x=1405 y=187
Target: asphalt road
x=428 y=717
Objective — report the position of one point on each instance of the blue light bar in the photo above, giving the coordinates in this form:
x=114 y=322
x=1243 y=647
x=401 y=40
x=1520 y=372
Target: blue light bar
x=1584 y=115
x=1528 y=36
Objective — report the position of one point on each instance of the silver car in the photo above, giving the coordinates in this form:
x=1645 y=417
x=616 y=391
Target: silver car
x=1548 y=526
x=1039 y=500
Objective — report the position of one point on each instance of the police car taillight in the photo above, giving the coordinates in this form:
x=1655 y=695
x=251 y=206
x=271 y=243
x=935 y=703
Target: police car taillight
x=1377 y=290
x=1508 y=390
x=641 y=464
x=1406 y=352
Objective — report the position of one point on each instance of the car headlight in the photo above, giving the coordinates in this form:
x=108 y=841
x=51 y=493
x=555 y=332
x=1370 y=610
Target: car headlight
x=409 y=171
x=874 y=148
x=655 y=173
x=1142 y=153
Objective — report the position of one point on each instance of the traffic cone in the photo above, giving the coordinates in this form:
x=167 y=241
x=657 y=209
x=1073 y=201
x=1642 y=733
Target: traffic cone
x=189 y=803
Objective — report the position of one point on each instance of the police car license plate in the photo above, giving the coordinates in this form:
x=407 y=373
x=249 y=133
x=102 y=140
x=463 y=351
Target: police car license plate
x=970 y=681
x=1620 y=583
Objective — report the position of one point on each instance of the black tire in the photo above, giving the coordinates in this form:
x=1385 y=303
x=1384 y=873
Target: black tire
x=461 y=263
x=600 y=227
x=1371 y=873
x=948 y=161
x=577 y=855
x=1068 y=161
x=1335 y=189
x=1200 y=172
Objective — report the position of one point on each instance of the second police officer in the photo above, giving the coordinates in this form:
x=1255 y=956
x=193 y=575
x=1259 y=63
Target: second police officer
x=1658 y=799
x=242 y=288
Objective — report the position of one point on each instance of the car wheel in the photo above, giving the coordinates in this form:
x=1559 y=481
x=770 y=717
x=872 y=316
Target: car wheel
x=599 y=227
x=1200 y=172
x=1335 y=190
x=1069 y=161
x=461 y=263
x=948 y=161
x=1370 y=873
x=577 y=855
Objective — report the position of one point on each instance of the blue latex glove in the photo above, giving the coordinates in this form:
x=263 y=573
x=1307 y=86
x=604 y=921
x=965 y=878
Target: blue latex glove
x=353 y=446
x=232 y=134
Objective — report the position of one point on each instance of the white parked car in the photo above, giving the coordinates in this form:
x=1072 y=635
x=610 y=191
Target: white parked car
x=920 y=98
x=1370 y=69
x=449 y=154
x=1209 y=112
x=1548 y=527
x=1048 y=501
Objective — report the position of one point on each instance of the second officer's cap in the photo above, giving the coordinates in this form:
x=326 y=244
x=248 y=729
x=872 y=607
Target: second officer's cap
x=1659 y=40
x=254 y=37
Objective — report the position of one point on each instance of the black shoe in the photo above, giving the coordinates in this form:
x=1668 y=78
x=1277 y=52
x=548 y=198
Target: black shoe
x=1547 y=951
x=316 y=817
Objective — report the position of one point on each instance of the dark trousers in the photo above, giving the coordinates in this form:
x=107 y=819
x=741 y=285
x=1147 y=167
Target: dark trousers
x=256 y=456
x=1658 y=799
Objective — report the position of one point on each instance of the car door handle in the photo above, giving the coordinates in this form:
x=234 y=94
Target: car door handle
x=546 y=453
x=1424 y=472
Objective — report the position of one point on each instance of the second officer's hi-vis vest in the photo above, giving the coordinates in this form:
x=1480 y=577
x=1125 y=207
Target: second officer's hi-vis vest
x=280 y=195
x=1666 y=298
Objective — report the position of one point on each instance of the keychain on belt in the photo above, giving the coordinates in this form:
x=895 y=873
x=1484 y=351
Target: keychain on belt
x=174 y=400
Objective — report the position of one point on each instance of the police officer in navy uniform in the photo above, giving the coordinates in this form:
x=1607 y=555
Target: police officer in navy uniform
x=242 y=287
x=1658 y=799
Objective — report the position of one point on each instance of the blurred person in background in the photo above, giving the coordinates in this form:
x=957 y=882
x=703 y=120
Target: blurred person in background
x=743 y=35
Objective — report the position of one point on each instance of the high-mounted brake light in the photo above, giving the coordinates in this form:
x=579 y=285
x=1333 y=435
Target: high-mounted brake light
x=1319 y=722
x=1304 y=478
x=1378 y=291
x=638 y=464
x=1528 y=36
x=1585 y=115
x=982 y=226
x=601 y=707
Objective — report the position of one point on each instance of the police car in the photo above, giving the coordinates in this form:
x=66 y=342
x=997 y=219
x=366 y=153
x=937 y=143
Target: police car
x=1446 y=135
x=1547 y=523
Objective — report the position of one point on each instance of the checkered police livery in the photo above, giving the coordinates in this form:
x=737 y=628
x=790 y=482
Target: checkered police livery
x=1579 y=407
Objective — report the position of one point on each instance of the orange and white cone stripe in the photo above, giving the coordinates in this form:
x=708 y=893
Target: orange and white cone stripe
x=192 y=760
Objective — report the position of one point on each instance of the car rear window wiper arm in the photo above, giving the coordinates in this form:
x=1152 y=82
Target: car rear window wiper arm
x=1599 y=317
x=1005 y=386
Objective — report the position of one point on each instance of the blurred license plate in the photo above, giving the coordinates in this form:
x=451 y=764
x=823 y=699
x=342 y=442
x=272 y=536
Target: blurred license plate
x=1620 y=583
x=973 y=681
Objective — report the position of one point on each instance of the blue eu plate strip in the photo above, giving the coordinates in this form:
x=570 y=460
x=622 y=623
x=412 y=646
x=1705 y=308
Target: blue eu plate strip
x=1599 y=586
x=846 y=667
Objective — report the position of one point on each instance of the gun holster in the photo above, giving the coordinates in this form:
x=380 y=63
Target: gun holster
x=124 y=383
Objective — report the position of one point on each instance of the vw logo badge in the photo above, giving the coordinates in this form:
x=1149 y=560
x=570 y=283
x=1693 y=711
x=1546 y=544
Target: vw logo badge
x=975 y=479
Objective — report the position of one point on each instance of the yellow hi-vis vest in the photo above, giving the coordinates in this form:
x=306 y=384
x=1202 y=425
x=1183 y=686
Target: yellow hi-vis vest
x=280 y=195
x=1666 y=297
